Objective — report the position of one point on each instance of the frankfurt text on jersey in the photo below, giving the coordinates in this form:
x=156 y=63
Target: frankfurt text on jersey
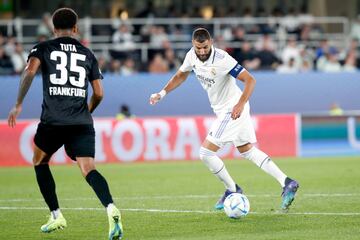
x=66 y=91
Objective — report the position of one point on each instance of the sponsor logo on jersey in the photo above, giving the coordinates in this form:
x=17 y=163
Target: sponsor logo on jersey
x=205 y=81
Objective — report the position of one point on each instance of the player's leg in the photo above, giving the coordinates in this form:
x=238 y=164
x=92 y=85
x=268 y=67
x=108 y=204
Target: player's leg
x=215 y=164
x=217 y=167
x=95 y=180
x=44 y=177
x=264 y=162
x=101 y=189
x=80 y=146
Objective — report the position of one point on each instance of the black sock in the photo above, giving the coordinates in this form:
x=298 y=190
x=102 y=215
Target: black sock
x=100 y=186
x=47 y=185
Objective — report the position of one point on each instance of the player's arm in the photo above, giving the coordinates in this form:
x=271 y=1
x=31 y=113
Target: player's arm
x=249 y=85
x=177 y=79
x=25 y=82
x=97 y=95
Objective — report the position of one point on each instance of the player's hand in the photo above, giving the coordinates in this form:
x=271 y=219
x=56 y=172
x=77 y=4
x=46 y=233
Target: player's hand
x=155 y=98
x=13 y=115
x=237 y=110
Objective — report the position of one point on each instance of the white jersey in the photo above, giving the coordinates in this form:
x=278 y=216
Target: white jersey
x=217 y=76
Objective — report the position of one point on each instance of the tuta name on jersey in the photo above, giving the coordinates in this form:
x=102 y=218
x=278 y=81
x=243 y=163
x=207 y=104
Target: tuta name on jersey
x=67 y=91
x=68 y=47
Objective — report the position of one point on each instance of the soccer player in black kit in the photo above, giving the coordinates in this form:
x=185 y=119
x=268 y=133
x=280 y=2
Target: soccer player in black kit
x=67 y=69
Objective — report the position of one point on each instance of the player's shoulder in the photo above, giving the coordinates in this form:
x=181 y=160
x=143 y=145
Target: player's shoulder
x=86 y=50
x=191 y=52
x=39 y=45
x=190 y=55
x=223 y=58
x=220 y=54
x=38 y=49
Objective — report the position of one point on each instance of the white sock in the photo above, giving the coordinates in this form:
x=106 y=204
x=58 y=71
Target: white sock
x=109 y=208
x=217 y=167
x=263 y=161
x=56 y=213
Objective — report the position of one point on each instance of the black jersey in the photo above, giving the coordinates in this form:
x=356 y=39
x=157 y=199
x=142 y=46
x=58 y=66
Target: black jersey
x=67 y=68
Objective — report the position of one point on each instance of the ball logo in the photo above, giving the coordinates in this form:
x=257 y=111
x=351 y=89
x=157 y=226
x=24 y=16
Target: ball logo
x=236 y=205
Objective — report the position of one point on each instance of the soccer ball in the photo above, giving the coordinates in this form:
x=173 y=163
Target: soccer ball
x=236 y=205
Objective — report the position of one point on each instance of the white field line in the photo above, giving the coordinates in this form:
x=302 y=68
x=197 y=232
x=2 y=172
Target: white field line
x=186 y=211
x=307 y=195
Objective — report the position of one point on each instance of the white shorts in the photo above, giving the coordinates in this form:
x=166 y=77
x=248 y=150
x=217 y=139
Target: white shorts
x=226 y=130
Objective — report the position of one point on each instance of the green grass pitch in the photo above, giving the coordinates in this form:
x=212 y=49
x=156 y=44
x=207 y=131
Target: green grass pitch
x=175 y=200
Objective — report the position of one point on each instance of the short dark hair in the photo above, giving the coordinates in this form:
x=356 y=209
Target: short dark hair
x=64 y=18
x=201 y=35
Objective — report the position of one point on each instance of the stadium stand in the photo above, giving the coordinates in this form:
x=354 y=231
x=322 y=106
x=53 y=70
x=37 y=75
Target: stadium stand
x=156 y=40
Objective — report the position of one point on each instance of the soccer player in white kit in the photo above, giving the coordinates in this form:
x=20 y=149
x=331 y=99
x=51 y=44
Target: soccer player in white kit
x=216 y=71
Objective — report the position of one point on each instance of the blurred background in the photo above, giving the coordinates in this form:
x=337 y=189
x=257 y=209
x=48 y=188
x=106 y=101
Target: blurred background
x=304 y=55
x=153 y=36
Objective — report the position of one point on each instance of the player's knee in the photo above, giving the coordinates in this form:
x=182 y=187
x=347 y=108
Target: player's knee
x=38 y=161
x=209 y=158
x=86 y=165
x=205 y=154
x=256 y=156
x=86 y=169
x=245 y=148
x=40 y=157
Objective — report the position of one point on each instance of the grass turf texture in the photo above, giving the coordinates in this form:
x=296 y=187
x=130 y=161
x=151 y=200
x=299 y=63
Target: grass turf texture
x=327 y=205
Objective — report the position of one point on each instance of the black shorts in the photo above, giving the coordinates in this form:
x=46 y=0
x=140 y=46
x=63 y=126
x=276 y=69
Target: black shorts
x=79 y=140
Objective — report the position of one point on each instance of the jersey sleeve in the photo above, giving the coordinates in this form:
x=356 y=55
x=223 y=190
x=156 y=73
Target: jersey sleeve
x=95 y=72
x=186 y=66
x=232 y=66
x=36 y=51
